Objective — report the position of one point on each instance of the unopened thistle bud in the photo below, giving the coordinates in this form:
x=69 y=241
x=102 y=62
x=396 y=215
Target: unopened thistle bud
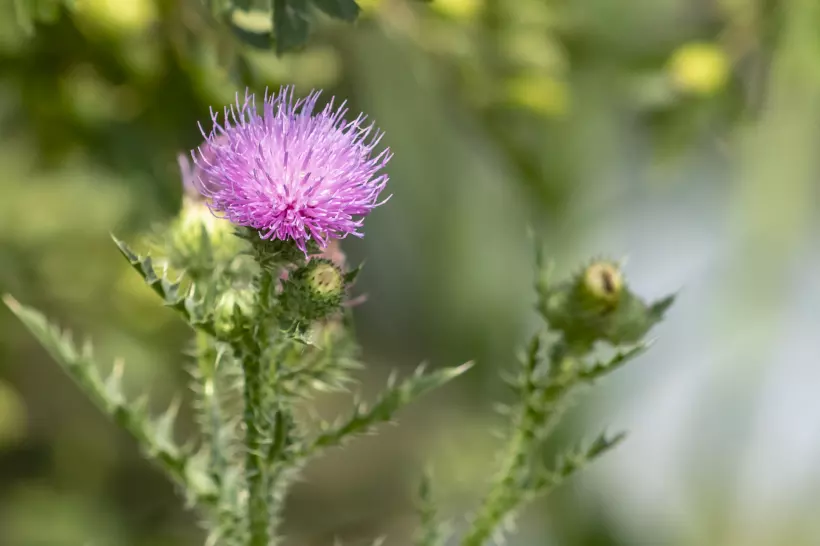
x=231 y=307
x=197 y=239
x=325 y=282
x=602 y=282
x=596 y=305
x=313 y=292
x=194 y=217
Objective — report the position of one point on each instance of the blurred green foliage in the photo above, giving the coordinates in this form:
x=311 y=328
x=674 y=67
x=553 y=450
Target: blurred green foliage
x=501 y=113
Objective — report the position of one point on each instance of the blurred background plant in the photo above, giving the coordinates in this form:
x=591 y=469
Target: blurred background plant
x=681 y=133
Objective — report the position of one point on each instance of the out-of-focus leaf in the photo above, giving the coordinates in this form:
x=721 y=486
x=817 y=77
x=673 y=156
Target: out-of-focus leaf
x=347 y=10
x=290 y=24
x=252 y=27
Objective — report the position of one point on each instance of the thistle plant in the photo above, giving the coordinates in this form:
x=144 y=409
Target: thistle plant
x=253 y=266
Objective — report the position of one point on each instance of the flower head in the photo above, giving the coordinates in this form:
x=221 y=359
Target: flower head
x=290 y=172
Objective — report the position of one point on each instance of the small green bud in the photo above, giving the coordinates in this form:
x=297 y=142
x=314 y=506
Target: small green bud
x=312 y=292
x=597 y=305
x=231 y=306
x=325 y=281
x=197 y=239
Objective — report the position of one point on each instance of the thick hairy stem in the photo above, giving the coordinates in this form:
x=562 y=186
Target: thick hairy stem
x=255 y=474
x=256 y=464
x=541 y=407
x=505 y=494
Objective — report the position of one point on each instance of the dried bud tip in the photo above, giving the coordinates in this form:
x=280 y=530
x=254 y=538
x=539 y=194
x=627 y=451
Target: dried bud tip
x=603 y=281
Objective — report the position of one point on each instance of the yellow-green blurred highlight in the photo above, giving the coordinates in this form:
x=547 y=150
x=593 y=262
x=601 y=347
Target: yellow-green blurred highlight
x=117 y=18
x=699 y=68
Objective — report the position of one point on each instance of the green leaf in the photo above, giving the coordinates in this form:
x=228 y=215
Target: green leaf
x=191 y=310
x=253 y=27
x=351 y=276
x=604 y=443
x=290 y=24
x=658 y=309
x=113 y=385
x=395 y=397
x=571 y=462
x=164 y=426
x=347 y=10
x=107 y=395
x=600 y=369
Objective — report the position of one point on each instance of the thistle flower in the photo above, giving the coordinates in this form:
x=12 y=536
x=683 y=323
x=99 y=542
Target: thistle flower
x=288 y=172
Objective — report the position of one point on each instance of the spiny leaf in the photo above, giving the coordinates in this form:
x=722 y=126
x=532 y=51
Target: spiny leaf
x=196 y=472
x=604 y=443
x=57 y=343
x=658 y=309
x=600 y=369
x=532 y=358
x=113 y=384
x=351 y=276
x=191 y=309
x=164 y=426
x=572 y=461
x=107 y=395
x=363 y=419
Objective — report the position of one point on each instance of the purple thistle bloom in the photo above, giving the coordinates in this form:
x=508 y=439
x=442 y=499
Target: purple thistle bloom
x=290 y=173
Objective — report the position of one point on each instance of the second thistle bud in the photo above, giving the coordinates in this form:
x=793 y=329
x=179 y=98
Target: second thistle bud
x=596 y=305
x=231 y=307
x=312 y=292
x=325 y=282
x=197 y=239
x=602 y=282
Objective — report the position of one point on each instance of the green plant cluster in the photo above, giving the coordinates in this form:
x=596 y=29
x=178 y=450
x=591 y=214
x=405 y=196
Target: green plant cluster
x=271 y=328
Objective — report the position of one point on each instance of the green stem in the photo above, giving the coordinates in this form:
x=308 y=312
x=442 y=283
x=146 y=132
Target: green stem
x=255 y=474
x=256 y=467
x=430 y=529
x=505 y=493
x=541 y=406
